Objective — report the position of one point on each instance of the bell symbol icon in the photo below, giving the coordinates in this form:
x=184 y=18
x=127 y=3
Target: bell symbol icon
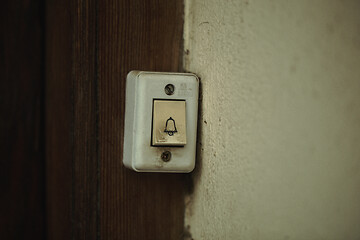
x=170 y=127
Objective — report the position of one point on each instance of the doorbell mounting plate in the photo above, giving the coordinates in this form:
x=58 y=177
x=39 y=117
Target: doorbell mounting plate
x=160 y=121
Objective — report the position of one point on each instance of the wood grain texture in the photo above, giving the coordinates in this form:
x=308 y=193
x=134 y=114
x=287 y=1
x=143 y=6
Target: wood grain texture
x=72 y=168
x=91 y=46
x=85 y=163
x=135 y=35
x=59 y=119
x=22 y=182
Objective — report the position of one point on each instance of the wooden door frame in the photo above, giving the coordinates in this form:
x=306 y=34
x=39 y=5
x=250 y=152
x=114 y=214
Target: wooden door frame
x=90 y=47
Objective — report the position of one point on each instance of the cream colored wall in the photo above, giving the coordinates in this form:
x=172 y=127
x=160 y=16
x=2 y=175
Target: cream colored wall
x=279 y=151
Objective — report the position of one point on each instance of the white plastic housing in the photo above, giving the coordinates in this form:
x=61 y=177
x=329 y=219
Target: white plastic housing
x=141 y=89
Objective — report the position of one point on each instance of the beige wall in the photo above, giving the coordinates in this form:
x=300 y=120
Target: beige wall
x=279 y=151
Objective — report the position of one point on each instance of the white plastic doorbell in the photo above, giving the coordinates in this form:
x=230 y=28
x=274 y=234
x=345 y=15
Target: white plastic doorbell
x=160 y=121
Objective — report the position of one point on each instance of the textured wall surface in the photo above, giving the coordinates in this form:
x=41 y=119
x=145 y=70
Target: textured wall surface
x=279 y=142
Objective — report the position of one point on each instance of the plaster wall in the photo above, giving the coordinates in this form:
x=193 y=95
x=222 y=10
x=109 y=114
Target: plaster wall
x=279 y=142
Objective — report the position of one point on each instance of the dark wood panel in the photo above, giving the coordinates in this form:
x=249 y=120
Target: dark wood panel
x=91 y=46
x=85 y=159
x=59 y=119
x=72 y=170
x=135 y=35
x=21 y=120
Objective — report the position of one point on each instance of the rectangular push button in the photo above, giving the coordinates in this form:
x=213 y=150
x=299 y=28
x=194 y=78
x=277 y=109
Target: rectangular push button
x=169 y=123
